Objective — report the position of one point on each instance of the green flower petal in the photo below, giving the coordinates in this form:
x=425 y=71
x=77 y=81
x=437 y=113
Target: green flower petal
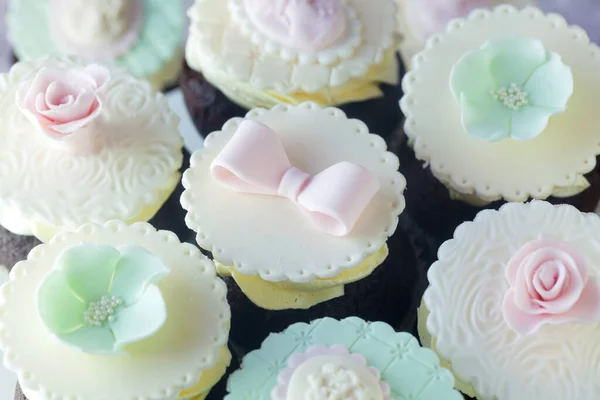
x=135 y=271
x=551 y=85
x=60 y=310
x=91 y=339
x=471 y=77
x=88 y=269
x=490 y=123
x=513 y=59
x=529 y=122
x=141 y=320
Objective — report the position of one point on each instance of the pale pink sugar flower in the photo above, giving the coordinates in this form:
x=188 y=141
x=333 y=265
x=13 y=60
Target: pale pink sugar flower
x=549 y=284
x=61 y=101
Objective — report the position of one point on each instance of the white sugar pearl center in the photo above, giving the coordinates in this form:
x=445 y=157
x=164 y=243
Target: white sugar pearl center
x=512 y=97
x=100 y=312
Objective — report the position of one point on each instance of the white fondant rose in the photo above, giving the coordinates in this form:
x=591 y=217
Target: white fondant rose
x=549 y=284
x=60 y=101
x=93 y=21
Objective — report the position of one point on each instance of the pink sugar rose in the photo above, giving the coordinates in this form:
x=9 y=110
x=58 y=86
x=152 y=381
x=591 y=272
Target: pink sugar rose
x=549 y=284
x=60 y=101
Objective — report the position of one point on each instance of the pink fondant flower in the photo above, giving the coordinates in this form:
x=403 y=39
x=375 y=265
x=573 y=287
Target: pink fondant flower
x=61 y=101
x=549 y=284
x=307 y=25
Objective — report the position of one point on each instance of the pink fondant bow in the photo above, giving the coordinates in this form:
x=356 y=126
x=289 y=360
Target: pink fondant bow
x=254 y=161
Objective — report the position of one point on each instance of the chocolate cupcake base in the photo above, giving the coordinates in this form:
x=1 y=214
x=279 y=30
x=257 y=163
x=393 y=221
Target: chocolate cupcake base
x=429 y=204
x=14 y=248
x=210 y=108
x=171 y=216
x=390 y=294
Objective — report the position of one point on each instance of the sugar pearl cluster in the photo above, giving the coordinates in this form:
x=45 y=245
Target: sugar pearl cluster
x=102 y=311
x=513 y=97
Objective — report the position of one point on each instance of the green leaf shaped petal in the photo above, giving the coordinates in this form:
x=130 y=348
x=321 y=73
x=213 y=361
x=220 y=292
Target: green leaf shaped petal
x=91 y=339
x=551 y=85
x=89 y=269
x=490 y=123
x=141 y=320
x=513 y=59
x=471 y=77
x=529 y=122
x=135 y=271
x=59 y=308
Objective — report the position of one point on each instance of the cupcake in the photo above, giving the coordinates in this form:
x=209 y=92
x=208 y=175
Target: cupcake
x=299 y=206
x=513 y=305
x=349 y=359
x=258 y=53
x=420 y=19
x=143 y=36
x=124 y=305
x=84 y=143
x=501 y=108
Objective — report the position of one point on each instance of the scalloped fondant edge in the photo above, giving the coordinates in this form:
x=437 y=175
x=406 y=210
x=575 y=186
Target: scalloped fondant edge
x=462 y=184
x=355 y=259
x=19 y=271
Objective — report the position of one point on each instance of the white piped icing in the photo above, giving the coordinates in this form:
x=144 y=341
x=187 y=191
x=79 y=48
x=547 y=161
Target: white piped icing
x=95 y=28
x=266 y=235
x=331 y=377
x=223 y=39
x=552 y=164
x=465 y=298
x=94 y=21
x=158 y=368
x=44 y=189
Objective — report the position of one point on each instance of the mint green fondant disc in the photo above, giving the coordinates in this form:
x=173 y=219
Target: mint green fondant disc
x=411 y=371
x=158 y=42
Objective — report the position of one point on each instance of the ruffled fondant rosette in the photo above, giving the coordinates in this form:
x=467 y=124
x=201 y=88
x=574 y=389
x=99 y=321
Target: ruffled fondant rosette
x=501 y=106
x=143 y=36
x=126 y=304
x=513 y=305
x=420 y=19
x=261 y=53
x=82 y=143
x=286 y=211
x=348 y=359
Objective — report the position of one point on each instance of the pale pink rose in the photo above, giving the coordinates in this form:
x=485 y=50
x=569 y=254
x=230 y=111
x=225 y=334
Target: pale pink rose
x=549 y=284
x=61 y=101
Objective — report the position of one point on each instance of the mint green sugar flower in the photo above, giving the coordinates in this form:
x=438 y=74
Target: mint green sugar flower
x=509 y=88
x=99 y=299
